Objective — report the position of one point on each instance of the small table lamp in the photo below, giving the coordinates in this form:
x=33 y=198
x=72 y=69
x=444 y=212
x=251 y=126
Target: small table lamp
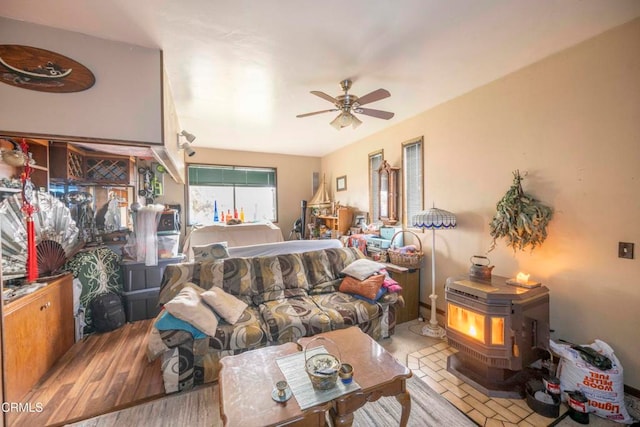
x=434 y=219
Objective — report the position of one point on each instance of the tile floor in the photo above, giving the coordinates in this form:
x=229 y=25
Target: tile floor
x=430 y=364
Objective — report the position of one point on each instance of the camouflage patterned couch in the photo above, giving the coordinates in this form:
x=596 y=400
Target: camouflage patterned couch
x=289 y=296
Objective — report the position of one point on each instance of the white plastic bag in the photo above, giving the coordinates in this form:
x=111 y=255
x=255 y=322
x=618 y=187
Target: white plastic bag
x=604 y=389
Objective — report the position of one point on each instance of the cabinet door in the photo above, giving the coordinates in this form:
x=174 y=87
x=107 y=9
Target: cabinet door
x=38 y=330
x=59 y=319
x=26 y=342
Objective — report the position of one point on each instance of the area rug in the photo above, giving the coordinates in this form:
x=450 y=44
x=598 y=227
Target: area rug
x=428 y=408
x=199 y=408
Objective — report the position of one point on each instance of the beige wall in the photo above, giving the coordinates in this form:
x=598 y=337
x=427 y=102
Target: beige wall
x=294 y=175
x=572 y=122
x=119 y=106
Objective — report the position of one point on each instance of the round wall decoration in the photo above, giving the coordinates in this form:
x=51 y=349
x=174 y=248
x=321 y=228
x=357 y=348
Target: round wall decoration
x=42 y=70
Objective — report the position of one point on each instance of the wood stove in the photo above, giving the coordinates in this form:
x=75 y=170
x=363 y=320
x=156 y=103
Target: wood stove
x=498 y=329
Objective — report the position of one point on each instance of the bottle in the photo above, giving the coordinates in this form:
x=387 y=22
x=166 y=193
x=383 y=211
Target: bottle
x=222 y=216
x=215 y=211
x=229 y=216
x=235 y=213
x=242 y=214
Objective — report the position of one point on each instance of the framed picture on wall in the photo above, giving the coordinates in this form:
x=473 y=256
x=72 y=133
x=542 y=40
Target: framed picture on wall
x=341 y=183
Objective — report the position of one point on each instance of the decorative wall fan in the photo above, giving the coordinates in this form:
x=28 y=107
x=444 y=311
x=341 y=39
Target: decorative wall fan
x=55 y=231
x=348 y=104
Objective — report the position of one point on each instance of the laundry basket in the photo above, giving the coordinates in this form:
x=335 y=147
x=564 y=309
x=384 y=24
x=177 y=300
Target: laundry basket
x=409 y=259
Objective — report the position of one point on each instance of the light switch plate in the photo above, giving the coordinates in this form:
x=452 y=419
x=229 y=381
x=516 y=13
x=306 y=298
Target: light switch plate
x=625 y=250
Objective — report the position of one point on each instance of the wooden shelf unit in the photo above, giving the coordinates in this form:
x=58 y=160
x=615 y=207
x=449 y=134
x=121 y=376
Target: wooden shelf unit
x=69 y=161
x=341 y=222
x=114 y=170
x=39 y=149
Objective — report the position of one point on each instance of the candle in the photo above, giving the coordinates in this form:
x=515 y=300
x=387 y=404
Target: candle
x=522 y=278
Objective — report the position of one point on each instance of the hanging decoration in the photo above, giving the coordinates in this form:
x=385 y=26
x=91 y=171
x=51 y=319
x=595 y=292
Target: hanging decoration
x=29 y=209
x=520 y=219
x=41 y=70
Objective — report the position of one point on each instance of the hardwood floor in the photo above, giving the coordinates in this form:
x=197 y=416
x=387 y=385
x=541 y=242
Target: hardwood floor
x=99 y=374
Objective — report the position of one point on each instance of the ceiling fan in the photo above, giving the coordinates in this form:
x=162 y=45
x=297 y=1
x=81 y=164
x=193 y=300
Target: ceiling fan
x=348 y=104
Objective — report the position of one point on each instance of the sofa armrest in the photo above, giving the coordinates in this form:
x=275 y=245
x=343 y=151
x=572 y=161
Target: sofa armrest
x=390 y=298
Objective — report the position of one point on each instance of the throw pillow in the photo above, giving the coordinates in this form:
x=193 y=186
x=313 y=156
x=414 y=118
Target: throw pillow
x=155 y=345
x=212 y=251
x=379 y=295
x=226 y=305
x=188 y=306
x=367 y=288
x=362 y=268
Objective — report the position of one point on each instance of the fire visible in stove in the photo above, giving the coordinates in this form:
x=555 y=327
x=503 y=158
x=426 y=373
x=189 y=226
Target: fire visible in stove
x=498 y=330
x=473 y=324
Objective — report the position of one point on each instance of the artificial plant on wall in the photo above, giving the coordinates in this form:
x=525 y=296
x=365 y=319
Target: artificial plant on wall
x=520 y=219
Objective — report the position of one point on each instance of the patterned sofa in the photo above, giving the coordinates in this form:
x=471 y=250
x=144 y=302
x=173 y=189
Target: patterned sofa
x=289 y=296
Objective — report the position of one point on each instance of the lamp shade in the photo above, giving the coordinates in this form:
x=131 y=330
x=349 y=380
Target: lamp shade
x=434 y=219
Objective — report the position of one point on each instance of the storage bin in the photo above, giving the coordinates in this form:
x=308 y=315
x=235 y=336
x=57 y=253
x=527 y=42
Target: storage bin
x=140 y=305
x=137 y=276
x=168 y=245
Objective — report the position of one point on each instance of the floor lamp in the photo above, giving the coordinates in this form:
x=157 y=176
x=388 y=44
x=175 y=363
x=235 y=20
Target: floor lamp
x=434 y=219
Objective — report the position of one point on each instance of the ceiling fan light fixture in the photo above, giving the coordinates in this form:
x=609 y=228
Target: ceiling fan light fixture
x=345 y=119
x=348 y=104
x=355 y=122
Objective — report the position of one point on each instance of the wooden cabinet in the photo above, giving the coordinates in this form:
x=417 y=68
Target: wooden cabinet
x=409 y=279
x=38 y=330
x=341 y=222
x=67 y=162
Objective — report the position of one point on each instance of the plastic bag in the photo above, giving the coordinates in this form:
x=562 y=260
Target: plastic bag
x=603 y=388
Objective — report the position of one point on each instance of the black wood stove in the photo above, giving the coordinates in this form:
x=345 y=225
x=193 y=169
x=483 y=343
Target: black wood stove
x=498 y=329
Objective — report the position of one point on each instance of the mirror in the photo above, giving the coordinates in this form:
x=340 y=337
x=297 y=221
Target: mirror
x=388 y=193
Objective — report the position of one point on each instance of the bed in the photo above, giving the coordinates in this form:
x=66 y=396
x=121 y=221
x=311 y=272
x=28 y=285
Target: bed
x=246 y=234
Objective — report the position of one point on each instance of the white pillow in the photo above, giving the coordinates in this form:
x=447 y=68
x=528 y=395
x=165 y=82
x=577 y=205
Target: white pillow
x=226 y=305
x=362 y=268
x=188 y=306
x=217 y=250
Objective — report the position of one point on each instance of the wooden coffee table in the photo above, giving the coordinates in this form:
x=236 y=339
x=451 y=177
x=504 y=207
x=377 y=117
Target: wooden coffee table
x=376 y=371
x=246 y=381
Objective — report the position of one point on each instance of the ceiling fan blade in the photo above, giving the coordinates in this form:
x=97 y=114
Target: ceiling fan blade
x=376 y=95
x=316 y=112
x=375 y=113
x=324 y=96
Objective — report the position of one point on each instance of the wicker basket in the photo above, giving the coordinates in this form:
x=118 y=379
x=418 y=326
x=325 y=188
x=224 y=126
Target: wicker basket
x=409 y=260
x=322 y=368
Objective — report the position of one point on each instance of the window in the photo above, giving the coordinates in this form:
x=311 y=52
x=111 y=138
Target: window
x=412 y=164
x=249 y=190
x=375 y=160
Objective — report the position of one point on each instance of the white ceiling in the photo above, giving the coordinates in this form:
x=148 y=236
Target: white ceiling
x=240 y=71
